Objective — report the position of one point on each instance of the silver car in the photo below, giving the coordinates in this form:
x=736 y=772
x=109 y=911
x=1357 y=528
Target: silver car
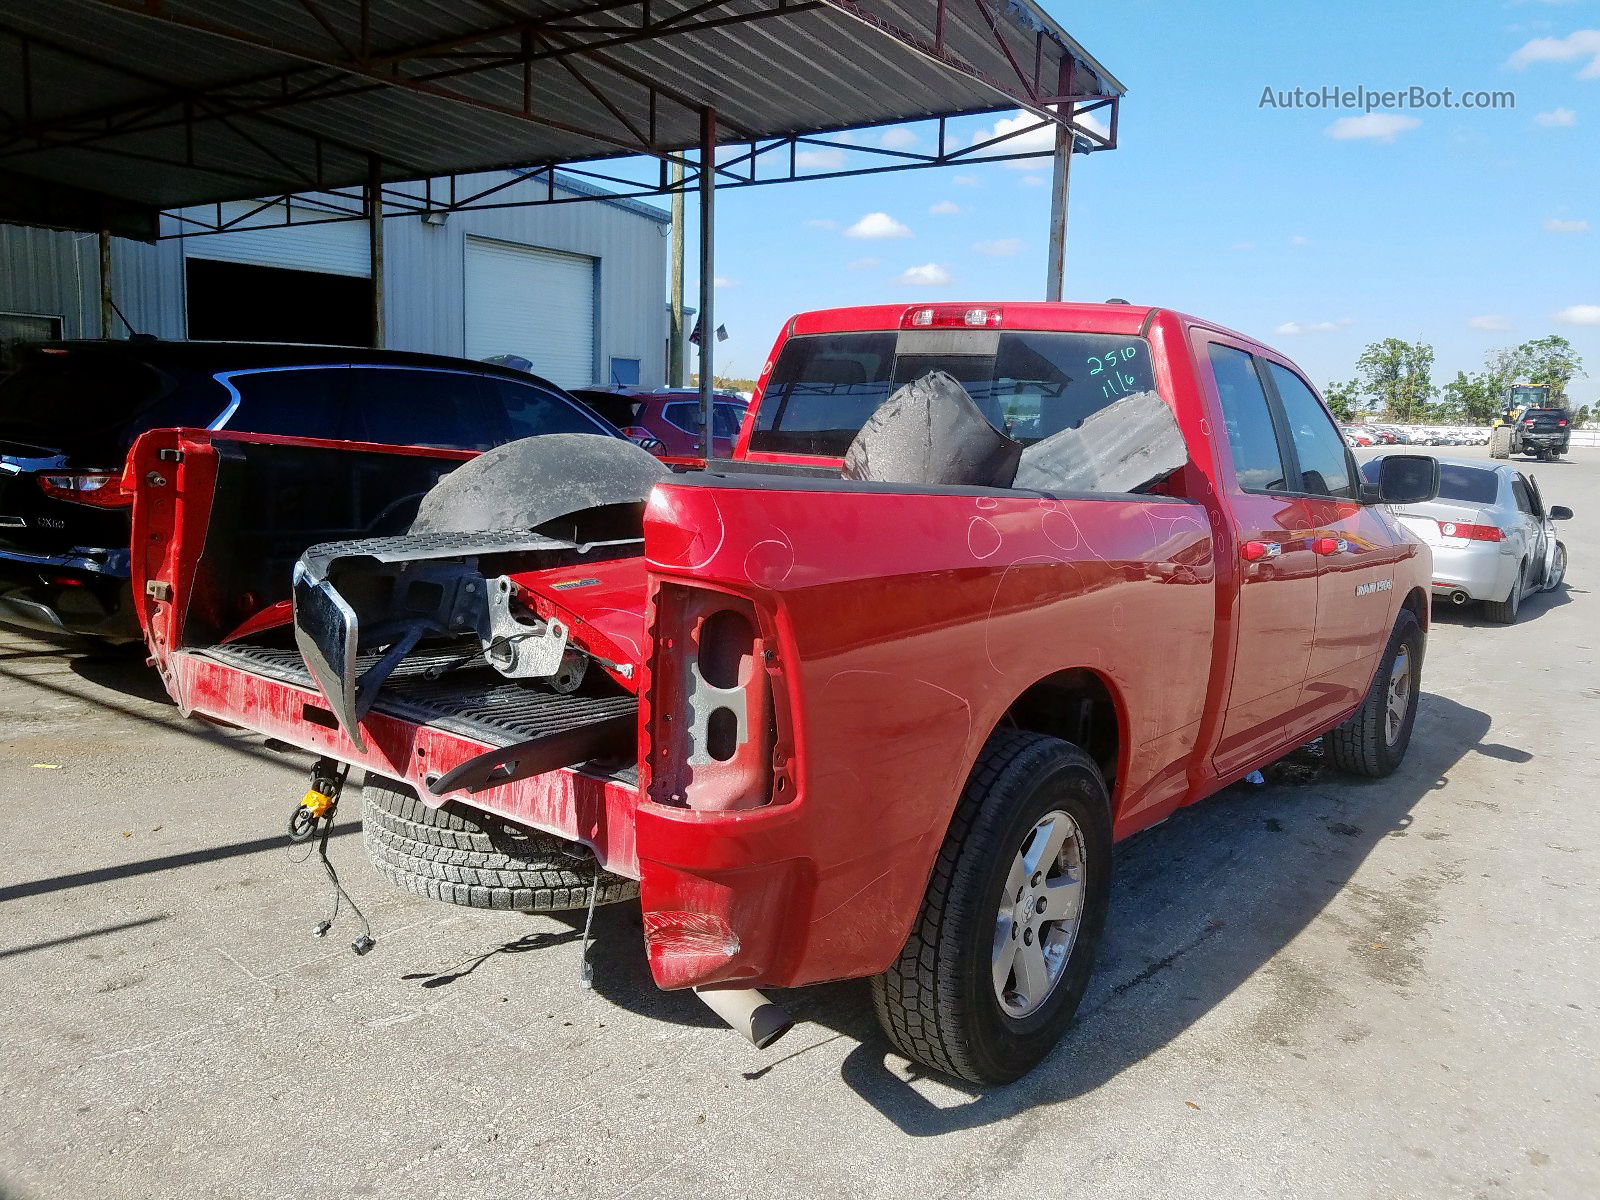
x=1492 y=535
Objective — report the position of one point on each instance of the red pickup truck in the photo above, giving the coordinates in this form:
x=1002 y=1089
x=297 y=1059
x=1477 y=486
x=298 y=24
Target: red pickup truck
x=984 y=590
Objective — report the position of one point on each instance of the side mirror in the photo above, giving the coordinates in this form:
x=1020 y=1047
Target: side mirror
x=1560 y=512
x=1403 y=479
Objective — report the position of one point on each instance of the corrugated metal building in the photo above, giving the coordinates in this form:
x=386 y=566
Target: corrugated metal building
x=578 y=289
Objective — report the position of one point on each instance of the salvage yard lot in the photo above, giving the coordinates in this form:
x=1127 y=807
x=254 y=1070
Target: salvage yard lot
x=1318 y=986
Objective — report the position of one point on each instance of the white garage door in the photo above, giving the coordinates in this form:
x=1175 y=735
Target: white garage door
x=536 y=303
x=338 y=247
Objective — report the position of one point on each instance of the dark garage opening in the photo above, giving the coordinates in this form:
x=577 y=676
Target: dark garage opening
x=238 y=302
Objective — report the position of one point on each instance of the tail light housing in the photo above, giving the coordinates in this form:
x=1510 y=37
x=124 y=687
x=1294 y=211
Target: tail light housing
x=1473 y=533
x=711 y=734
x=97 y=489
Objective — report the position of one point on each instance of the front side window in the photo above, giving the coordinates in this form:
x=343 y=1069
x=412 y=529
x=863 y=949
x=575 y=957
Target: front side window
x=1324 y=466
x=1519 y=492
x=1257 y=459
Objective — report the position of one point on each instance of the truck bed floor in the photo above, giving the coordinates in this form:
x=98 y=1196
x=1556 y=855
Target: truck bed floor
x=473 y=703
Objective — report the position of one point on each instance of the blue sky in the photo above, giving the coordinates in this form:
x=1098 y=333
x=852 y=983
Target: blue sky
x=1466 y=228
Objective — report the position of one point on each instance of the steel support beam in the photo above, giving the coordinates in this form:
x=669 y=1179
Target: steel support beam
x=375 y=245
x=708 y=275
x=675 y=344
x=107 y=306
x=1060 y=186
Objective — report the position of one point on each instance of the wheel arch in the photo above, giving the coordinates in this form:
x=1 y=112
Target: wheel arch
x=1078 y=705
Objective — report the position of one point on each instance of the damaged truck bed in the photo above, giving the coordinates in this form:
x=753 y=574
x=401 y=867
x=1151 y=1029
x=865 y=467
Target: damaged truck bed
x=980 y=593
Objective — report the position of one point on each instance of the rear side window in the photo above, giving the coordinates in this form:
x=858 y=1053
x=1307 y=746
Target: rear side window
x=297 y=403
x=1324 y=466
x=1468 y=484
x=407 y=407
x=685 y=415
x=1257 y=460
x=531 y=411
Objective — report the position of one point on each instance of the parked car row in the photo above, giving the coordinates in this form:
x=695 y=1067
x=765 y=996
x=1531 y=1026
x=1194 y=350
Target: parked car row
x=1357 y=436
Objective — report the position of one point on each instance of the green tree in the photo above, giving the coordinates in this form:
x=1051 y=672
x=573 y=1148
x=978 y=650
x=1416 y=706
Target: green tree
x=1398 y=376
x=1343 y=398
x=1581 y=417
x=1471 y=399
x=1550 y=361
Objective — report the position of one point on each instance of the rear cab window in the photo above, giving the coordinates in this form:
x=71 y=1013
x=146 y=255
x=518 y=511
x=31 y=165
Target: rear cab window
x=1028 y=384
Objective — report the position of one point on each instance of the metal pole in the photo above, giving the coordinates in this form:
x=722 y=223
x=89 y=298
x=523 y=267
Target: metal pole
x=106 y=310
x=1060 y=179
x=675 y=345
x=375 y=245
x=708 y=268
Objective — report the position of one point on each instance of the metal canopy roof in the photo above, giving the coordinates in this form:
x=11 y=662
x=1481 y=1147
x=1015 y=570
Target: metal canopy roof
x=113 y=110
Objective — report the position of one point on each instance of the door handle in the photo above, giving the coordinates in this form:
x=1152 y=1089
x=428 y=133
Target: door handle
x=1255 y=551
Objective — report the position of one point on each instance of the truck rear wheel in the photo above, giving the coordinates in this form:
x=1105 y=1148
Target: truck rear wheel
x=1500 y=442
x=462 y=856
x=1373 y=740
x=1001 y=951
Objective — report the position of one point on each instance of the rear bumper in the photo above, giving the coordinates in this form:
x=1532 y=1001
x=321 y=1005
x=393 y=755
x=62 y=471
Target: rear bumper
x=593 y=810
x=1482 y=572
x=1546 y=441
x=68 y=594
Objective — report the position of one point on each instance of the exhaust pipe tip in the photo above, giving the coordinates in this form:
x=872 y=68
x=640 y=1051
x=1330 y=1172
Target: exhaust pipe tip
x=1459 y=597
x=748 y=1012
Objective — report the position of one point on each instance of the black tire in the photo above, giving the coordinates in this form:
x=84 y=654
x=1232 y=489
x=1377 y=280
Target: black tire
x=1363 y=745
x=1500 y=443
x=938 y=1003
x=462 y=856
x=1505 y=611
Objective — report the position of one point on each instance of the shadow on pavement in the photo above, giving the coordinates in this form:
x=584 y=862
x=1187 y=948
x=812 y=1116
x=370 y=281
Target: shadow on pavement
x=1200 y=904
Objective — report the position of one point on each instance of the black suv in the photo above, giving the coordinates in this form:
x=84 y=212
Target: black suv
x=1545 y=432
x=70 y=412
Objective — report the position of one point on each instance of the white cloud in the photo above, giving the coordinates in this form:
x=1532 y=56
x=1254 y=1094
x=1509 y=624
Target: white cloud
x=723 y=281
x=899 y=138
x=1031 y=137
x=1380 y=127
x=1040 y=138
x=823 y=159
x=822 y=223
x=1582 y=46
x=1032 y=181
x=877 y=225
x=1293 y=328
x=964 y=180
x=945 y=208
x=1580 y=314
x=932 y=274
x=1556 y=118
x=999 y=248
x=1557 y=225
x=1299 y=239
x=1489 y=323
x=863 y=264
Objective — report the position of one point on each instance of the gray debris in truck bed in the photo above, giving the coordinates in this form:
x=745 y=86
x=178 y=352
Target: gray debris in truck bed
x=1123 y=447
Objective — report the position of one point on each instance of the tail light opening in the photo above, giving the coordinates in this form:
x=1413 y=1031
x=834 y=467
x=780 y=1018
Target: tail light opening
x=1473 y=533
x=712 y=741
x=98 y=489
